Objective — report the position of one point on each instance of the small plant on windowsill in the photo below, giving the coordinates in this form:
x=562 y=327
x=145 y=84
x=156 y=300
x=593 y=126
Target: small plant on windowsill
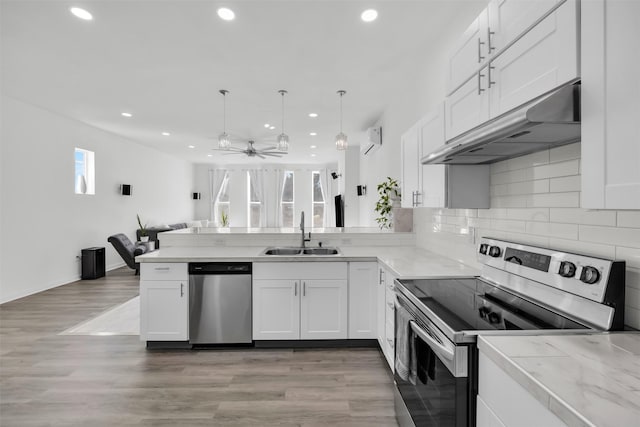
x=389 y=191
x=144 y=234
x=224 y=219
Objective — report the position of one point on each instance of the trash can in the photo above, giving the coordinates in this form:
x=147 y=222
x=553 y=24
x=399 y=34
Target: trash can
x=93 y=263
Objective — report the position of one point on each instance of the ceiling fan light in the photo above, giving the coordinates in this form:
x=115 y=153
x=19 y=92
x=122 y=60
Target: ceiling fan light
x=341 y=141
x=283 y=142
x=223 y=141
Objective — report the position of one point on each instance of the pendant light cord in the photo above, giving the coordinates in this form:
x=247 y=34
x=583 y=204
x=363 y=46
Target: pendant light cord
x=282 y=111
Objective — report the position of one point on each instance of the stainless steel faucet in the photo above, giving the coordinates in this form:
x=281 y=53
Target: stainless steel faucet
x=302 y=229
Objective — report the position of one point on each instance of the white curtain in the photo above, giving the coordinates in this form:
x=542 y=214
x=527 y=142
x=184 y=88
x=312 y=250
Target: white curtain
x=257 y=182
x=329 y=210
x=277 y=209
x=216 y=179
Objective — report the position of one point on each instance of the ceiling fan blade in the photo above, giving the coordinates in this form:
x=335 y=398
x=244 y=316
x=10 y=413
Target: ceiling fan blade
x=271 y=154
x=232 y=153
x=260 y=155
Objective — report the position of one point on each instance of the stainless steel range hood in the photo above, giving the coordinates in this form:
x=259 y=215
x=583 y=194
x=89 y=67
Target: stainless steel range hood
x=549 y=121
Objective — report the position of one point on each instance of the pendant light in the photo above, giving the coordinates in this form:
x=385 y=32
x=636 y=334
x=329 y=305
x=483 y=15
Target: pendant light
x=224 y=142
x=283 y=138
x=341 y=138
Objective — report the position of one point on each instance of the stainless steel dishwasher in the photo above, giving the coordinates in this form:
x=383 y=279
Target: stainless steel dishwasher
x=220 y=303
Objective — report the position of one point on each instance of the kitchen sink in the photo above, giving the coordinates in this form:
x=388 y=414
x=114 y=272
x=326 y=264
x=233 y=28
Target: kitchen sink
x=320 y=251
x=291 y=251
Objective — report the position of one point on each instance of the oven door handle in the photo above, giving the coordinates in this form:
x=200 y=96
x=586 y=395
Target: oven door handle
x=435 y=345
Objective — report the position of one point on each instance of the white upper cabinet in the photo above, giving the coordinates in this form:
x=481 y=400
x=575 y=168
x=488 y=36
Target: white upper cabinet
x=469 y=53
x=531 y=48
x=439 y=186
x=543 y=59
x=410 y=143
x=610 y=104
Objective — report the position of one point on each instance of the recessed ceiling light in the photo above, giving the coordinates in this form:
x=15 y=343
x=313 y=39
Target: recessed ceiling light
x=313 y=155
x=209 y=155
x=127 y=114
x=369 y=15
x=272 y=127
x=267 y=125
x=192 y=146
x=226 y=14
x=313 y=146
x=166 y=133
x=313 y=133
x=314 y=115
x=81 y=13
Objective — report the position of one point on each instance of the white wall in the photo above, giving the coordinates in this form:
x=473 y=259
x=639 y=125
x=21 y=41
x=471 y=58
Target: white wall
x=44 y=225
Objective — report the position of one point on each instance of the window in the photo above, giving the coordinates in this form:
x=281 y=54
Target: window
x=84 y=181
x=254 y=201
x=221 y=204
x=286 y=204
x=318 y=200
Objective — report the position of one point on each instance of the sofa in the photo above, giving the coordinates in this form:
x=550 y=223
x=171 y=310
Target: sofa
x=152 y=232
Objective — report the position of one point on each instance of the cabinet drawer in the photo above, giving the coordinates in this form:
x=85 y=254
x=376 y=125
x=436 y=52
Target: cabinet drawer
x=164 y=271
x=299 y=270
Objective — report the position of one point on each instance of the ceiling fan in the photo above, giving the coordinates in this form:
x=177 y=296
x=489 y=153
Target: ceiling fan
x=251 y=151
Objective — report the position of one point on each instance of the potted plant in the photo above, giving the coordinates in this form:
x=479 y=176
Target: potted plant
x=389 y=193
x=224 y=219
x=144 y=234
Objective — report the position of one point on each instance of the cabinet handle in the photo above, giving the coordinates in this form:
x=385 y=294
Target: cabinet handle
x=295 y=290
x=304 y=289
x=490 y=81
x=380 y=278
x=480 y=76
x=489 y=34
x=162 y=268
x=480 y=57
x=181 y=290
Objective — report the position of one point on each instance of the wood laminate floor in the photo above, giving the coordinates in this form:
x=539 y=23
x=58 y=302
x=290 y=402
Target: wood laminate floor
x=48 y=379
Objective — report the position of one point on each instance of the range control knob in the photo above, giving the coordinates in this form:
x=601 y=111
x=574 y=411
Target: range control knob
x=494 y=318
x=483 y=248
x=590 y=275
x=567 y=269
x=494 y=251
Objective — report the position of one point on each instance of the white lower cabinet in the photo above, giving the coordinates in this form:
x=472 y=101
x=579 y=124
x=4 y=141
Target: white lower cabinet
x=386 y=314
x=164 y=302
x=363 y=300
x=276 y=309
x=502 y=402
x=300 y=300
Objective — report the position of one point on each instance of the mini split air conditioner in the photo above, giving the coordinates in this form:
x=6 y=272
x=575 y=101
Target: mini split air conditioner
x=373 y=140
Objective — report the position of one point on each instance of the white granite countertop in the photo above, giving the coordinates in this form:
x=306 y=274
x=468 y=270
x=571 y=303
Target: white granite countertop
x=407 y=262
x=585 y=380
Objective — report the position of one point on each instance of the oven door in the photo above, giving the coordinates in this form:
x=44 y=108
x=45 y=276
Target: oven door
x=442 y=393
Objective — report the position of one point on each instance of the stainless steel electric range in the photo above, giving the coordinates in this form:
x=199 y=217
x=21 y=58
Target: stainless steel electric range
x=522 y=290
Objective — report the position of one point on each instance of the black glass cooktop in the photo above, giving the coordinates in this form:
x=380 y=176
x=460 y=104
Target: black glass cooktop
x=474 y=305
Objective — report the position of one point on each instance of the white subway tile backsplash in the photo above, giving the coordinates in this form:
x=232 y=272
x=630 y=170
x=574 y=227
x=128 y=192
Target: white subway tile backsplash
x=552 y=229
x=564 y=184
x=492 y=213
x=633 y=280
x=630 y=255
x=629 y=219
x=550 y=200
x=566 y=152
x=631 y=316
x=629 y=237
x=535 y=199
x=528 y=187
x=508 y=225
x=583 y=216
x=570 y=167
x=524 y=162
x=529 y=214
